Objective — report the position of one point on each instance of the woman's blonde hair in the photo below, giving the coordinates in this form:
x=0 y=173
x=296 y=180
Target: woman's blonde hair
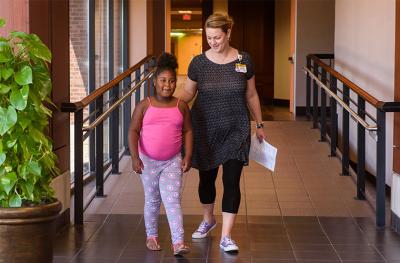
x=219 y=20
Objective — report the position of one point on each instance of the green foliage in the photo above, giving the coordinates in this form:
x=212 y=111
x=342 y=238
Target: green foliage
x=27 y=162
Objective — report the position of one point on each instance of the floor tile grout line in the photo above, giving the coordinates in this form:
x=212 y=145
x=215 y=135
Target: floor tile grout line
x=283 y=221
x=317 y=217
x=101 y=226
x=316 y=214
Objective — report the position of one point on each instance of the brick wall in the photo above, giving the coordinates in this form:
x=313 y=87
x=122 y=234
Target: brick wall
x=78 y=50
x=79 y=46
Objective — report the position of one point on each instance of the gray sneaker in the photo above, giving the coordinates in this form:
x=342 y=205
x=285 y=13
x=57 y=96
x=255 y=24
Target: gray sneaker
x=204 y=229
x=228 y=244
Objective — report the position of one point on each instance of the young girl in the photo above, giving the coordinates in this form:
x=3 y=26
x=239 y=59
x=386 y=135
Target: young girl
x=158 y=126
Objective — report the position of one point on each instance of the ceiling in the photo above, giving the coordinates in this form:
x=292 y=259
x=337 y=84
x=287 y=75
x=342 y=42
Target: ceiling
x=187 y=4
x=177 y=21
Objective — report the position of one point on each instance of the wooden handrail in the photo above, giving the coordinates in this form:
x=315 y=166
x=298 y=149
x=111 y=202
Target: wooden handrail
x=360 y=92
x=74 y=106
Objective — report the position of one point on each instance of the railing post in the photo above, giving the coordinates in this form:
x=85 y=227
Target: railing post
x=308 y=90
x=99 y=150
x=114 y=132
x=146 y=83
x=315 y=97
x=91 y=78
x=323 y=107
x=127 y=115
x=361 y=151
x=138 y=91
x=381 y=169
x=334 y=119
x=125 y=65
x=346 y=130
x=78 y=163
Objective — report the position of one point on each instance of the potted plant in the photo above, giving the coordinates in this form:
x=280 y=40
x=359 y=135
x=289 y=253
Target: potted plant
x=27 y=162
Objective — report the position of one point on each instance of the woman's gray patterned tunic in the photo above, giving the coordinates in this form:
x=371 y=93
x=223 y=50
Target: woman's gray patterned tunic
x=220 y=117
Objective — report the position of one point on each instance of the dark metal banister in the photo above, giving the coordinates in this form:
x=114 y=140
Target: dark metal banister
x=321 y=75
x=97 y=117
x=74 y=106
x=365 y=95
x=111 y=108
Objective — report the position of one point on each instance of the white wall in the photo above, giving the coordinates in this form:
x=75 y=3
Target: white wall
x=282 y=50
x=137 y=31
x=364 y=53
x=62 y=188
x=315 y=24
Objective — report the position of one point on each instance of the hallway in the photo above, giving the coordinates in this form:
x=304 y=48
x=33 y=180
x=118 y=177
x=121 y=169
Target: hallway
x=303 y=212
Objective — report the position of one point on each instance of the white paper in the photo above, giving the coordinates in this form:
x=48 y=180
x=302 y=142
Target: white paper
x=263 y=153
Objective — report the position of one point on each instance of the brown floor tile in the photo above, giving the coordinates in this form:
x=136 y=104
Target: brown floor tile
x=277 y=219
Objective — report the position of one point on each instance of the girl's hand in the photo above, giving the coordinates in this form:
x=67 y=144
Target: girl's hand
x=260 y=134
x=186 y=164
x=137 y=165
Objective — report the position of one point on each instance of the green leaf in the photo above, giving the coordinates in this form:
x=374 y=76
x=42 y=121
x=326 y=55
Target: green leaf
x=42 y=84
x=24 y=76
x=35 y=168
x=5 y=56
x=2 y=22
x=19 y=98
x=23 y=120
x=2 y=158
x=6 y=73
x=19 y=34
x=38 y=49
x=11 y=143
x=8 y=118
x=4 y=88
x=27 y=188
x=8 y=181
x=15 y=201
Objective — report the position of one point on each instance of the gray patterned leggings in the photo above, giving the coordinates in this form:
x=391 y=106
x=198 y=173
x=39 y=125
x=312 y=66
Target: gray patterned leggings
x=162 y=181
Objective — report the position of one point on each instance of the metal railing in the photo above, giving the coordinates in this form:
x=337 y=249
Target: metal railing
x=321 y=76
x=133 y=80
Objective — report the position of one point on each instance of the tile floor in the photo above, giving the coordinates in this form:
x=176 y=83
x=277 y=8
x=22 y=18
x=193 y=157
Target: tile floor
x=303 y=212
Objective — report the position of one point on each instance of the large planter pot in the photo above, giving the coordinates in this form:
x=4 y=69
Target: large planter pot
x=27 y=233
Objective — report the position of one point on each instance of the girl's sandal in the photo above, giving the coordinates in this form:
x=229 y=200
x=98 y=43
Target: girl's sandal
x=152 y=244
x=180 y=249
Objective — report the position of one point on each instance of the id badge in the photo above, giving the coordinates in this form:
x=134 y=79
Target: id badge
x=239 y=67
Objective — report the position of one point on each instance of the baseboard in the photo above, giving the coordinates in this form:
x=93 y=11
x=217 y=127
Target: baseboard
x=301 y=111
x=63 y=220
x=395 y=222
x=281 y=102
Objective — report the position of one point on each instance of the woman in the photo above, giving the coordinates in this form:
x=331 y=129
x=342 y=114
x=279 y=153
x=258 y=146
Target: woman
x=224 y=81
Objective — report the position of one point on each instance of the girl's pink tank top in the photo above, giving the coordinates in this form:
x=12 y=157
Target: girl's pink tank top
x=161 y=134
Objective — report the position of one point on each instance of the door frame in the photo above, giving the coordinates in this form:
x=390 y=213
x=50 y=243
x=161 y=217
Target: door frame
x=396 y=122
x=292 y=92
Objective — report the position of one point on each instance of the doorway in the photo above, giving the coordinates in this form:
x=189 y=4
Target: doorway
x=186 y=42
x=264 y=30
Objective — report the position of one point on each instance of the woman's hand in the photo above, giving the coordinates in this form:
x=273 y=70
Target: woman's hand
x=260 y=134
x=137 y=165
x=186 y=164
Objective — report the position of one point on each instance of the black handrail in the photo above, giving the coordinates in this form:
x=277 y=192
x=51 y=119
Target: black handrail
x=96 y=97
x=327 y=80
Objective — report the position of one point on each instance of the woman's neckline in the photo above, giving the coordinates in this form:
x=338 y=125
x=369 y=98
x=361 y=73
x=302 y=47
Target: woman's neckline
x=236 y=58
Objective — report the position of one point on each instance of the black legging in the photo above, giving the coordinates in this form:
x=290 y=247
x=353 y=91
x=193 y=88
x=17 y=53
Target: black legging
x=231 y=171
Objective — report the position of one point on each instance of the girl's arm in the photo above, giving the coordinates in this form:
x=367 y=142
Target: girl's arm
x=189 y=91
x=134 y=135
x=187 y=136
x=254 y=105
